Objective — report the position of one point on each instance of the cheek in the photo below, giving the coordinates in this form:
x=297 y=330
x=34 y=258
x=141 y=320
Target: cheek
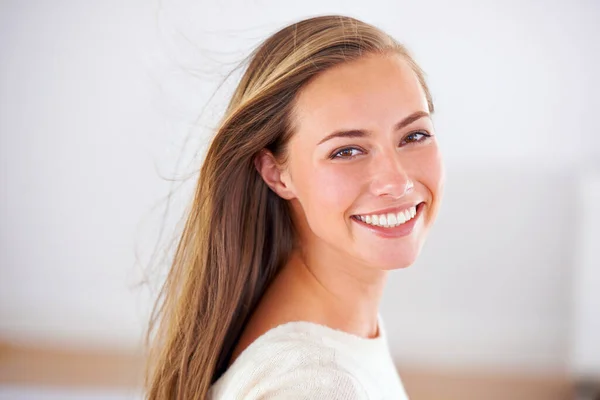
x=333 y=189
x=327 y=192
x=432 y=176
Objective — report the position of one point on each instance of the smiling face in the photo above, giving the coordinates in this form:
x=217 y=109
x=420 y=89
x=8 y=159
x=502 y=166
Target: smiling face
x=363 y=171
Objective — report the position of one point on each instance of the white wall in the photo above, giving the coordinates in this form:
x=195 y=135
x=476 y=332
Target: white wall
x=584 y=345
x=45 y=393
x=97 y=99
x=492 y=286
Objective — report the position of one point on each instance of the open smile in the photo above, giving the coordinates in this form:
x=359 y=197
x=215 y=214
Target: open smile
x=391 y=224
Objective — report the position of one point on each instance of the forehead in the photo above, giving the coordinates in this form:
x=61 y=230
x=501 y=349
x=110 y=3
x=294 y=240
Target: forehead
x=374 y=92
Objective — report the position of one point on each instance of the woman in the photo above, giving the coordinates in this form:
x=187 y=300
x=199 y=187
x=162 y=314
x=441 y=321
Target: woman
x=323 y=175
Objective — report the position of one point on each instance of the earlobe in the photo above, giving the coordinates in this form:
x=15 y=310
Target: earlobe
x=271 y=172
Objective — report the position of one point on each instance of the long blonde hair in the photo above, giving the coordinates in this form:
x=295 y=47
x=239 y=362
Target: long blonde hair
x=239 y=233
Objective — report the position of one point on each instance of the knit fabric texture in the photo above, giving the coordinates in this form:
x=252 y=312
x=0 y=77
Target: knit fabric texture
x=304 y=360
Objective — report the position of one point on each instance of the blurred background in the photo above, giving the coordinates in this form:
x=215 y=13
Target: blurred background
x=106 y=108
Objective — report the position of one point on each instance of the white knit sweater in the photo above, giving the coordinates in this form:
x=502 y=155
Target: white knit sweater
x=303 y=360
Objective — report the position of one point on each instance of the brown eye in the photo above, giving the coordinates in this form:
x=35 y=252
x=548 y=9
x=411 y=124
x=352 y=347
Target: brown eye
x=415 y=137
x=346 y=153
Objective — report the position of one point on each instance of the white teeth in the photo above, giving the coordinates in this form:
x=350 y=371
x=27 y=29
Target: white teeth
x=390 y=220
x=382 y=220
x=401 y=218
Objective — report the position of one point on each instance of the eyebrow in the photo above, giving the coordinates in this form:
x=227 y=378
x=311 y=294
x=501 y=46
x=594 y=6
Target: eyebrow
x=354 y=133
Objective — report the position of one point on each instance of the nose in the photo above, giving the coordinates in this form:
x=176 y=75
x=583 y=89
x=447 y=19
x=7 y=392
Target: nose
x=390 y=178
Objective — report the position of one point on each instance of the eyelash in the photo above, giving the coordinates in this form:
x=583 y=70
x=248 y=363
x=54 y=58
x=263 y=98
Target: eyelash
x=424 y=136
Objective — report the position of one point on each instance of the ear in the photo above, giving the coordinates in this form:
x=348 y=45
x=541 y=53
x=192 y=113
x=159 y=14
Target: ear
x=274 y=174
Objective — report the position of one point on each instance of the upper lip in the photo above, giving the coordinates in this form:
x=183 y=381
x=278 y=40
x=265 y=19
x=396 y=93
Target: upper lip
x=392 y=210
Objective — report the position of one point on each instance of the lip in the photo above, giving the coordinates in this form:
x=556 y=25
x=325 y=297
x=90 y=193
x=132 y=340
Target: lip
x=401 y=230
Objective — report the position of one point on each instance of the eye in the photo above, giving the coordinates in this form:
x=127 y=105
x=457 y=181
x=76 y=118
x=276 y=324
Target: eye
x=415 y=137
x=346 y=153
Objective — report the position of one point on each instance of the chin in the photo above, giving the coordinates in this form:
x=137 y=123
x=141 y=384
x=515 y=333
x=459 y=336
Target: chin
x=398 y=264
x=395 y=260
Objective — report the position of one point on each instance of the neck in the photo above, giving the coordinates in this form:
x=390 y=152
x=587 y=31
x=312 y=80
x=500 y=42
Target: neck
x=339 y=293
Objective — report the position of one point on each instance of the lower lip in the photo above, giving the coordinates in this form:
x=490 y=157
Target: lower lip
x=401 y=230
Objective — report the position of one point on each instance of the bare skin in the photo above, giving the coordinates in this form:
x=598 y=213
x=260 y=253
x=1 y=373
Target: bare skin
x=337 y=273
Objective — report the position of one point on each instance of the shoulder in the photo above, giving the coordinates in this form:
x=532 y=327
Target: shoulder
x=290 y=365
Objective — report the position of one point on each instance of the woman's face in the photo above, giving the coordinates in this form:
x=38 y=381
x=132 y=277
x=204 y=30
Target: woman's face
x=363 y=166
